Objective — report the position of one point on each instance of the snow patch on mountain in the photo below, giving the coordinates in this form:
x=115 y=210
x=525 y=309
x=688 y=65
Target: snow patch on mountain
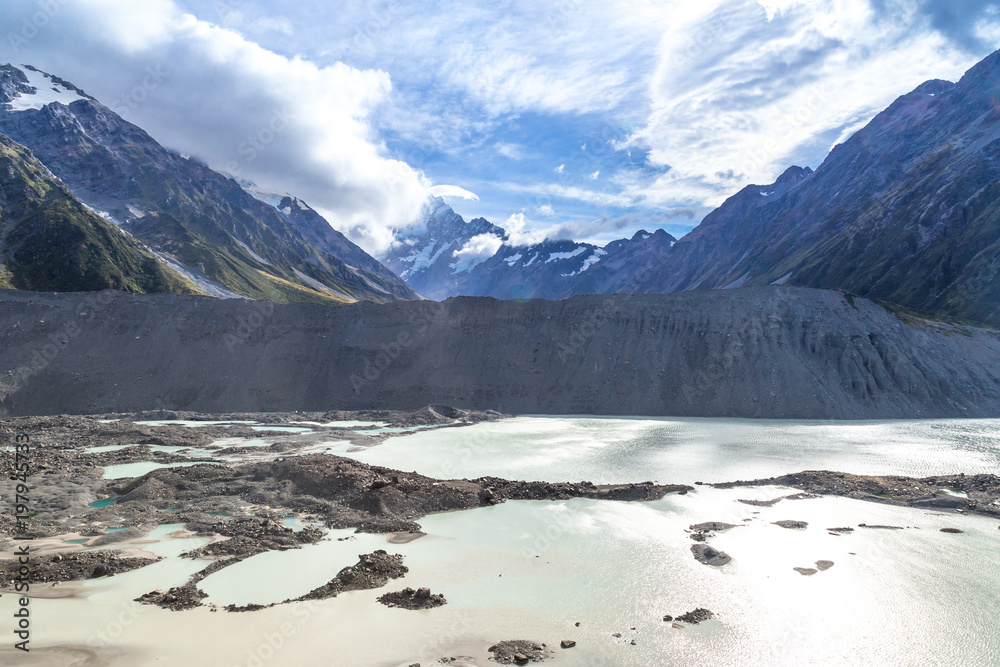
x=566 y=255
x=423 y=258
x=513 y=259
x=47 y=91
x=269 y=197
x=593 y=259
x=588 y=262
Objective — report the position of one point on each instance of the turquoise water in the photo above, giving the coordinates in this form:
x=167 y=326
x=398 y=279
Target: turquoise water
x=296 y=523
x=103 y=503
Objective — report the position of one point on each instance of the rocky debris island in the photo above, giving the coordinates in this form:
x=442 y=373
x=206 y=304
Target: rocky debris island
x=422 y=598
x=978 y=494
x=774 y=501
x=708 y=555
x=519 y=652
x=699 y=615
x=50 y=568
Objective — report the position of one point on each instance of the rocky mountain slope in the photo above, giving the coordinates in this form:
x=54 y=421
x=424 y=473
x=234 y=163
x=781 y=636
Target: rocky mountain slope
x=906 y=210
x=200 y=222
x=775 y=352
x=50 y=241
x=448 y=256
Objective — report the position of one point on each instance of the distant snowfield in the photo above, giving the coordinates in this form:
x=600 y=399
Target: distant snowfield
x=46 y=92
x=565 y=255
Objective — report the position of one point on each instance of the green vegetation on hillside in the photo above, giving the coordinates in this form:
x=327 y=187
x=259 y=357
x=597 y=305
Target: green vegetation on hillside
x=49 y=241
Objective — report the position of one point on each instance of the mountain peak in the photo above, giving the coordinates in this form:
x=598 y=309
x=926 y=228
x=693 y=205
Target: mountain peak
x=31 y=88
x=987 y=69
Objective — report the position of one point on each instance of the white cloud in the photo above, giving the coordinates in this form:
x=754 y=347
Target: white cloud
x=559 y=169
x=447 y=191
x=545 y=209
x=511 y=151
x=280 y=24
x=476 y=250
x=519 y=231
x=758 y=89
x=595 y=175
x=286 y=123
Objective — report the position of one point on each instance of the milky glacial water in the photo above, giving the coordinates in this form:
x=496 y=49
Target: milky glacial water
x=395 y=429
x=191 y=423
x=282 y=429
x=684 y=451
x=532 y=570
x=141 y=468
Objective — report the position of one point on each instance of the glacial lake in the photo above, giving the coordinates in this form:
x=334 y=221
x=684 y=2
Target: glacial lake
x=532 y=570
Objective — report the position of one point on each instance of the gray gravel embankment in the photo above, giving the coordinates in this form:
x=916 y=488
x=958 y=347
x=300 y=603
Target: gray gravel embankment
x=773 y=352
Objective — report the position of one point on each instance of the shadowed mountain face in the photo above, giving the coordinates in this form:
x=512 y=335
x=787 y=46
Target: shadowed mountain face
x=907 y=210
x=49 y=241
x=770 y=352
x=200 y=222
x=442 y=259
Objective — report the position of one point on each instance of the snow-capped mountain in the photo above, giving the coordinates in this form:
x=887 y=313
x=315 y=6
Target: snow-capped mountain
x=426 y=257
x=198 y=221
x=447 y=256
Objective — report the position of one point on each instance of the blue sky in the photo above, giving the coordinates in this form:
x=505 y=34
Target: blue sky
x=581 y=119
